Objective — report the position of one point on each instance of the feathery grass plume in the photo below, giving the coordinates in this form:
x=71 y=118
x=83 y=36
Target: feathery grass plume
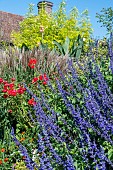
x=14 y=58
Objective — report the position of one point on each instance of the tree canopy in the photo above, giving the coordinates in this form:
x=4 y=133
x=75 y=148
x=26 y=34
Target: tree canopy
x=106 y=18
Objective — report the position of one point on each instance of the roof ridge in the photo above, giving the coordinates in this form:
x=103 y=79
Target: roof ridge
x=11 y=13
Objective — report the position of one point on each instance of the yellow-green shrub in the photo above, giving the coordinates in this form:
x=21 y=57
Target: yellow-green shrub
x=57 y=26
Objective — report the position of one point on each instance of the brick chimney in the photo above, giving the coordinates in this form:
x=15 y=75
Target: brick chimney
x=45 y=5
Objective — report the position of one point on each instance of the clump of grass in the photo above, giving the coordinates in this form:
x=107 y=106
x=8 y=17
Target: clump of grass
x=12 y=58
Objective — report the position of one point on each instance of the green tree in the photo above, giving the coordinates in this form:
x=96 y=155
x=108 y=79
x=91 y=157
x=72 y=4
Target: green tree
x=49 y=27
x=106 y=18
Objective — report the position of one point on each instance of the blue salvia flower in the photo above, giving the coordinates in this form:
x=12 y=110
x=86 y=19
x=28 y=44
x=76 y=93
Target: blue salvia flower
x=94 y=110
x=80 y=121
x=30 y=164
x=105 y=157
x=48 y=123
x=43 y=118
x=104 y=103
x=45 y=103
x=111 y=64
x=49 y=145
x=68 y=163
x=44 y=161
x=75 y=76
x=93 y=152
x=83 y=151
x=45 y=122
x=51 y=87
x=101 y=81
x=111 y=45
x=31 y=117
x=102 y=157
x=88 y=123
x=53 y=116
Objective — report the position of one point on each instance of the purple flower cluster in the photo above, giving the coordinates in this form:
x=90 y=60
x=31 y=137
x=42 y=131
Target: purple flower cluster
x=91 y=116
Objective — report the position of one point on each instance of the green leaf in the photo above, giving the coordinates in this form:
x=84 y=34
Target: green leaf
x=66 y=45
x=59 y=47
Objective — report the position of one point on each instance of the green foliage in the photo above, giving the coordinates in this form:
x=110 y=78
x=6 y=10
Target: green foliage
x=73 y=51
x=106 y=18
x=56 y=26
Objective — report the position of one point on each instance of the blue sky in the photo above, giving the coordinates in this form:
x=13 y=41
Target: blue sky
x=20 y=7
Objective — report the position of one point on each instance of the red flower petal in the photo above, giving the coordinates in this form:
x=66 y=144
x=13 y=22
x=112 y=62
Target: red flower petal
x=12 y=92
x=31 y=102
x=44 y=82
x=1 y=80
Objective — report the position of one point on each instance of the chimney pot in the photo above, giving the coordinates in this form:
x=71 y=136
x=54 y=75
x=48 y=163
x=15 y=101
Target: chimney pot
x=47 y=5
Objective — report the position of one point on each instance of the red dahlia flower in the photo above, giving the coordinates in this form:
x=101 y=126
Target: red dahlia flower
x=32 y=62
x=44 y=82
x=4 y=90
x=43 y=77
x=4 y=82
x=11 y=85
x=32 y=102
x=21 y=90
x=12 y=92
x=34 y=79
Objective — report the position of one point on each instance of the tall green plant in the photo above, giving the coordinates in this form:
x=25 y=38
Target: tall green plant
x=74 y=51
